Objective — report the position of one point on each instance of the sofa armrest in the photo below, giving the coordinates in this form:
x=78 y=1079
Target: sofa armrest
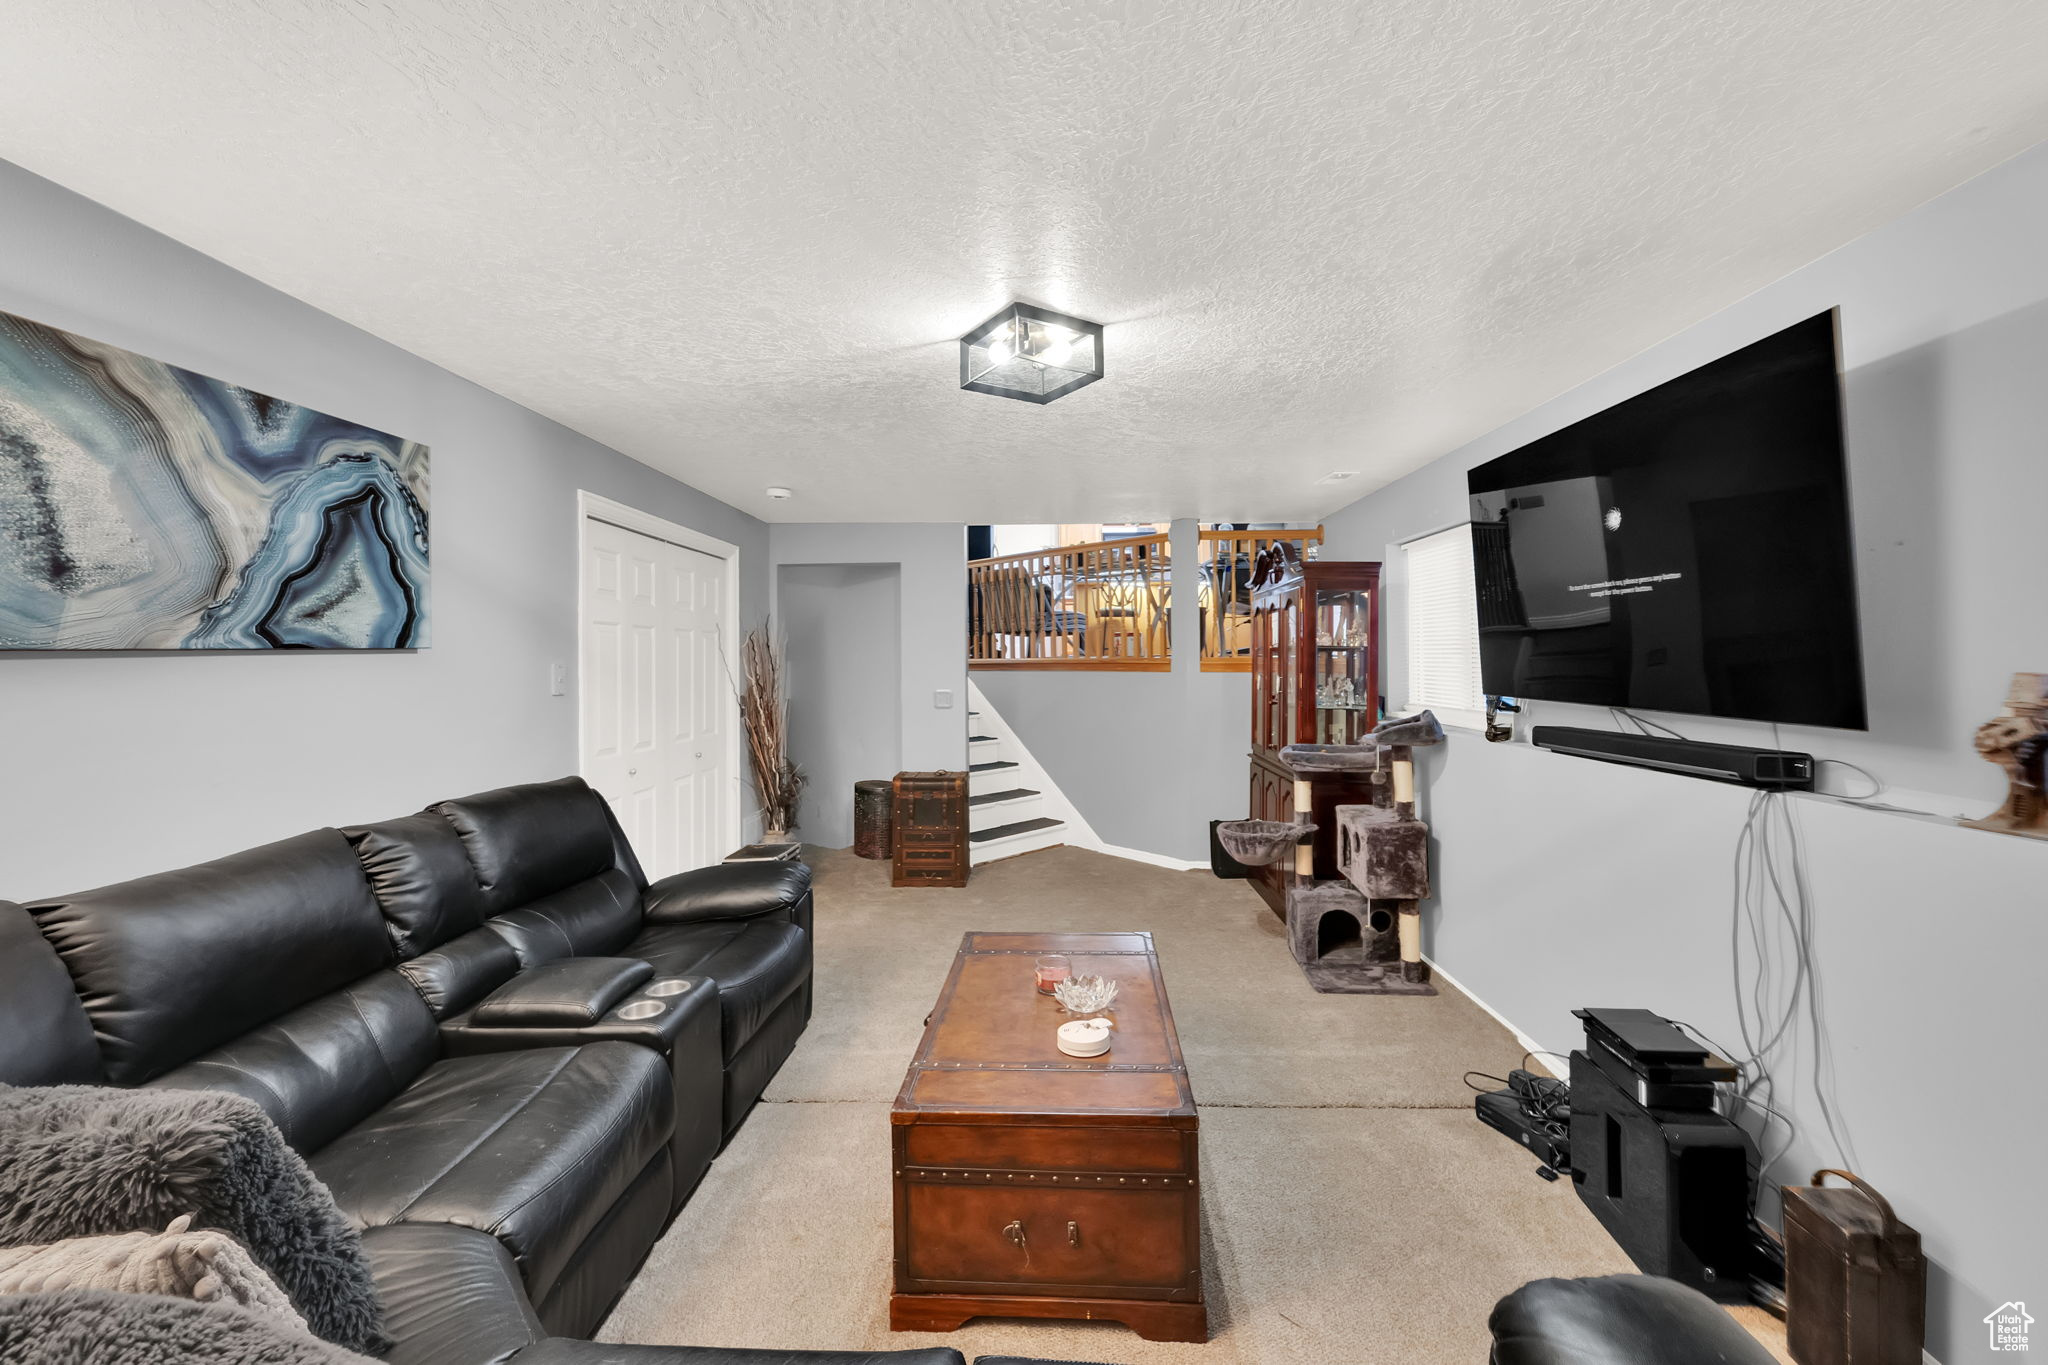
x=690 y=1010
x=728 y=891
x=565 y=1351
x=450 y=1293
x=1618 y=1320
x=572 y=993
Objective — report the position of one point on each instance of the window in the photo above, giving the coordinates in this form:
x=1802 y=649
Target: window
x=1443 y=629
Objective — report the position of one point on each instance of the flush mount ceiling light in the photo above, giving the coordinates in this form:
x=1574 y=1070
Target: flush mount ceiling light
x=1031 y=353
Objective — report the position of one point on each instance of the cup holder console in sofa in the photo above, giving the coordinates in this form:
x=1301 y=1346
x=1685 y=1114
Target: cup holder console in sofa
x=494 y=1041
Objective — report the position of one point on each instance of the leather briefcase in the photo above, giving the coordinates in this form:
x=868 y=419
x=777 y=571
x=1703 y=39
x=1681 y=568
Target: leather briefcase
x=1855 y=1282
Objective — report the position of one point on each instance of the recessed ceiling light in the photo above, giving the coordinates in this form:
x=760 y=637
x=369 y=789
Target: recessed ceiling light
x=780 y=494
x=1338 y=476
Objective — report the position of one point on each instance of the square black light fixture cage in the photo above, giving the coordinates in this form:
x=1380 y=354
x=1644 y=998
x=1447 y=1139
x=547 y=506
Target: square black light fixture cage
x=1030 y=353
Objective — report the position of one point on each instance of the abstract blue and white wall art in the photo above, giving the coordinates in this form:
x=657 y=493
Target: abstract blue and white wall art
x=147 y=507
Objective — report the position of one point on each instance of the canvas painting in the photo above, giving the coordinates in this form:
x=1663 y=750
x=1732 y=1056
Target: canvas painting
x=143 y=506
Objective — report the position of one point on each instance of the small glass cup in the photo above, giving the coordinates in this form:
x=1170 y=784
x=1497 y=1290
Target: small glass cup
x=1050 y=971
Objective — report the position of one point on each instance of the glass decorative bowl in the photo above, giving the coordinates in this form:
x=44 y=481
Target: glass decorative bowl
x=1083 y=996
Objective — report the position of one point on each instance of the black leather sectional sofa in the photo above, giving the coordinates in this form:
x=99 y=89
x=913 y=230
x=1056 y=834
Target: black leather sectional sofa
x=509 y=1057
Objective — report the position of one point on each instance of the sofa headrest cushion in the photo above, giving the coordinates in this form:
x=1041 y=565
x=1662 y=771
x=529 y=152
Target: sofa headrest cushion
x=175 y=964
x=594 y=918
x=421 y=875
x=462 y=971
x=531 y=841
x=45 y=1038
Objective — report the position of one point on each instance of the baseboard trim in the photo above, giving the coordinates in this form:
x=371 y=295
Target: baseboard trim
x=1529 y=1045
x=1139 y=855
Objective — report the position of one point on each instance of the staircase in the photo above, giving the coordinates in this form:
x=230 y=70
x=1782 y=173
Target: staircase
x=1004 y=817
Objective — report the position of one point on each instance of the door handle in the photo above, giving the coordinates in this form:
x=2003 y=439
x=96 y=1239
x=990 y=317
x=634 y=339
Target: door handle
x=1015 y=1232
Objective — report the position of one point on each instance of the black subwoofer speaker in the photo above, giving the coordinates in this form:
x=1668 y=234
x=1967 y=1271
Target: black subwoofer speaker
x=1671 y=1186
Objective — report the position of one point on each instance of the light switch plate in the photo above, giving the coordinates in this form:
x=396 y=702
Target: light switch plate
x=942 y=699
x=558 y=678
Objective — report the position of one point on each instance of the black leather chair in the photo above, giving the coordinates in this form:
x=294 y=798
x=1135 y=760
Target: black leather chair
x=1618 y=1320
x=449 y=1015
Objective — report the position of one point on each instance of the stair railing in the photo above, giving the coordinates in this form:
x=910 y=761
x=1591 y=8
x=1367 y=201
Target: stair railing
x=1105 y=605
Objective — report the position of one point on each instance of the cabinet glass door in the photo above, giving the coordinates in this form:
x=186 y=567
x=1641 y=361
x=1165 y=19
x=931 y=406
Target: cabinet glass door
x=1288 y=674
x=1345 y=703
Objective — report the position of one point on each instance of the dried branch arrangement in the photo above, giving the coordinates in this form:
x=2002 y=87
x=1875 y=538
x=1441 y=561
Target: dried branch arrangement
x=764 y=717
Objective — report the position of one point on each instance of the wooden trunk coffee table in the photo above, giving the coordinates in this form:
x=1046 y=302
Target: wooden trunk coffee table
x=1031 y=1184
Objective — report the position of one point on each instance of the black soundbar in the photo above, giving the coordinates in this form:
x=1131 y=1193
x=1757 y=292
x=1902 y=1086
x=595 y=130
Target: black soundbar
x=1775 y=769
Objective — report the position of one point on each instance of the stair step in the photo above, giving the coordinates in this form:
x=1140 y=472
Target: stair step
x=983 y=836
x=996 y=798
x=981 y=739
x=989 y=767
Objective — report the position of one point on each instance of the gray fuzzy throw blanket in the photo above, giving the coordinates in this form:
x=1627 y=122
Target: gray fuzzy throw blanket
x=81 y=1160
x=104 y=1327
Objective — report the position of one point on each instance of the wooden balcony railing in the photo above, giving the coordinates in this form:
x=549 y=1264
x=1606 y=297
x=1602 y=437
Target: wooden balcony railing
x=1225 y=559
x=1100 y=606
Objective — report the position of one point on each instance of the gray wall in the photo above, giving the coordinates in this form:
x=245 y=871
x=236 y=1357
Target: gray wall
x=932 y=583
x=1563 y=882
x=117 y=765
x=1148 y=759
x=842 y=624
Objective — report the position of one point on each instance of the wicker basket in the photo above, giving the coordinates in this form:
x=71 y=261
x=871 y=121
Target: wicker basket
x=874 y=808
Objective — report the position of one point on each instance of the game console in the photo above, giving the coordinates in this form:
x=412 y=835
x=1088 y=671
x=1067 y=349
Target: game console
x=1534 y=1111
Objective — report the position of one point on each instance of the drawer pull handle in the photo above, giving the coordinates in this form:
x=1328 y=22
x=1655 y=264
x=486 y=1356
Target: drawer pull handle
x=1015 y=1232
x=1073 y=1234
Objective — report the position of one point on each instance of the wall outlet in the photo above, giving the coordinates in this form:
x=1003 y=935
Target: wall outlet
x=943 y=699
x=558 y=679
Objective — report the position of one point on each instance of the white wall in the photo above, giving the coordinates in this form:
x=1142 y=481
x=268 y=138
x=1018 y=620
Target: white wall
x=932 y=581
x=1562 y=882
x=121 y=764
x=842 y=630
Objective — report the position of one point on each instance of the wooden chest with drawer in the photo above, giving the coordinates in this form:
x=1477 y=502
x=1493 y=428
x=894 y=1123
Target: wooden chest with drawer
x=1033 y=1184
x=929 y=827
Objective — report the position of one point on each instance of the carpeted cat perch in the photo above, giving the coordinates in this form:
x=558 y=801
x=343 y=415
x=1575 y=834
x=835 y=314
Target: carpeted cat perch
x=1361 y=935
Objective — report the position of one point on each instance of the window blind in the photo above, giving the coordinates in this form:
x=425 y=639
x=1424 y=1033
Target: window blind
x=1443 y=627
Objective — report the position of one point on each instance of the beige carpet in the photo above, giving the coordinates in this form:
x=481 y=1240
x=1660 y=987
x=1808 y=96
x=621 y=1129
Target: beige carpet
x=1354 y=1210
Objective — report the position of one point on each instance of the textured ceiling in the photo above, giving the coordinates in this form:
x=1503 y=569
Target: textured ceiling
x=736 y=239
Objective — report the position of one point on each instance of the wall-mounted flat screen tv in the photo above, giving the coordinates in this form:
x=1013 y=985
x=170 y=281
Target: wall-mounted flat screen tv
x=1687 y=550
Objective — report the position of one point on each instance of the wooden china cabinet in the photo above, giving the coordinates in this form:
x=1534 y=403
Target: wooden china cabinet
x=1315 y=680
